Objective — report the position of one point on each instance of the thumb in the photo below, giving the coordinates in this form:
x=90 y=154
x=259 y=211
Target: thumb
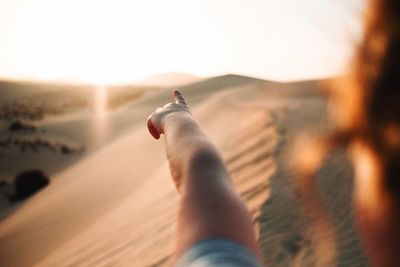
x=152 y=130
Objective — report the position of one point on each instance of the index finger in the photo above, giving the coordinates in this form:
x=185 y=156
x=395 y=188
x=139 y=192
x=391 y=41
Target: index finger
x=179 y=98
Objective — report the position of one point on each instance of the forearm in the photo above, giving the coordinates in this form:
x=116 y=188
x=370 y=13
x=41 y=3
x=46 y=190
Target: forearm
x=377 y=207
x=380 y=231
x=189 y=151
x=210 y=207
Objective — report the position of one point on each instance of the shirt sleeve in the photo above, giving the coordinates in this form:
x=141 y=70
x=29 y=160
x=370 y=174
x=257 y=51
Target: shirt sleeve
x=218 y=252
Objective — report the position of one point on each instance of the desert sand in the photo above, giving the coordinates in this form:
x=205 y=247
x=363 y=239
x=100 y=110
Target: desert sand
x=115 y=205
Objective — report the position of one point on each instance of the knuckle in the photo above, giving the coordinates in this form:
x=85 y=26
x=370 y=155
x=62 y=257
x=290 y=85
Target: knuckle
x=168 y=105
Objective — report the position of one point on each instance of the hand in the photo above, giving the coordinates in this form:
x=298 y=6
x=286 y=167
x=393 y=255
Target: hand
x=156 y=121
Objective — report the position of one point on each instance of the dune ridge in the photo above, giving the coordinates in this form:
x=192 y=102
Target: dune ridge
x=117 y=207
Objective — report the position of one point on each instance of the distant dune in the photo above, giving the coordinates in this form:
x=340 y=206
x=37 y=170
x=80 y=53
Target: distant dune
x=115 y=205
x=168 y=79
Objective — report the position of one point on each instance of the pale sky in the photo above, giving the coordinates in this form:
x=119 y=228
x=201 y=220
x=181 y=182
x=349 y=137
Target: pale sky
x=123 y=40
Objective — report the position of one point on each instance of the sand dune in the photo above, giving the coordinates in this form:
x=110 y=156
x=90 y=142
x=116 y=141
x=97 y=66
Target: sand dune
x=117 y=206
x=169 y=79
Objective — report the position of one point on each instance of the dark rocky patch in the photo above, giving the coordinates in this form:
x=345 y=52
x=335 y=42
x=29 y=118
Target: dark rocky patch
x=28 y=183
x=36 y=144
x=21 y=126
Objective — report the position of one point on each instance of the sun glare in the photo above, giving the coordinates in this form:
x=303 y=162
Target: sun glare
x=112 y=41
x=100 y=111
x=94 y=41
x=100 y=102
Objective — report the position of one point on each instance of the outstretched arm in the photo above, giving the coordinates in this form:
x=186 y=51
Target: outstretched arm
x=209 y=207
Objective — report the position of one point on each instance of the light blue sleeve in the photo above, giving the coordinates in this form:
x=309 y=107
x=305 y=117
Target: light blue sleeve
x=218 y=252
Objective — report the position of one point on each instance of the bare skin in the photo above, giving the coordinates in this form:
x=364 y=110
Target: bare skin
x=209 y=206
x=376 y=208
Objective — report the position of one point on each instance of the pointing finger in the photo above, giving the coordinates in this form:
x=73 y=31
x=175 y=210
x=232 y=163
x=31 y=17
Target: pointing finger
x=179 y=98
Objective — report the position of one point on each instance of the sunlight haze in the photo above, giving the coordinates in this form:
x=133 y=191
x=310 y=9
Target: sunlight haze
x=113 y=41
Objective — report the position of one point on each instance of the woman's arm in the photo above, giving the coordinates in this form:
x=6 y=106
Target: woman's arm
x=377 y=206
x=209 y=207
